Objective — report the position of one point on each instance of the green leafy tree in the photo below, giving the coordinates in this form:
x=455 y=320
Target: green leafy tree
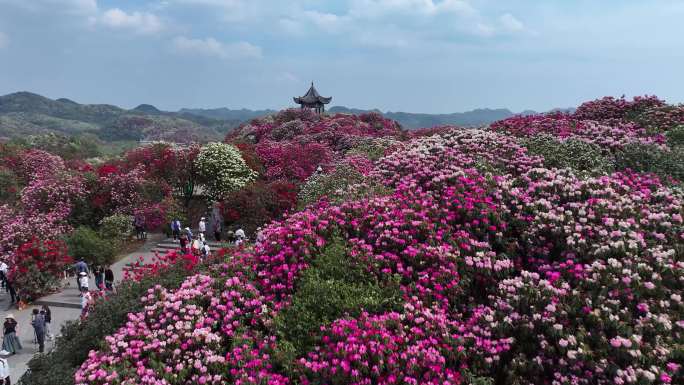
x=86 y=243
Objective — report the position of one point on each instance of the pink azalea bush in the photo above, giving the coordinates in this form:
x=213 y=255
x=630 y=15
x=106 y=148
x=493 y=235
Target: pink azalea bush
x=290 y=147
x=509 y=272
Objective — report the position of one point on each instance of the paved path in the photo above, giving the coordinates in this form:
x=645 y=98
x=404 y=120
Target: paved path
x=65 y=305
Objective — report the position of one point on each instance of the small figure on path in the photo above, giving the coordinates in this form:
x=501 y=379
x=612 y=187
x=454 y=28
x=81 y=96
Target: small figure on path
x=99 y=277
x=109 y=278
x=175 y=228
x=83 y=281
x=202 y=226
x=10 y=341
x=217 y=230
x=188 y=233
x=80 y=267
x=47 y=313
x=38 y=323
x=240 y=236
x=259 y=235
x=86 y=300
x=184 y=243
x=4 y=368
x=139 y=224
x=12 y=292
x=4 y=269
x=205 y=250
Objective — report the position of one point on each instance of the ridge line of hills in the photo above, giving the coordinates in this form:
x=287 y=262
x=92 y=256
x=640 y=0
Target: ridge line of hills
x=26 y=113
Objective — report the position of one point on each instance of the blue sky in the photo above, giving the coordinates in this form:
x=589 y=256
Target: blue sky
x=398 y=55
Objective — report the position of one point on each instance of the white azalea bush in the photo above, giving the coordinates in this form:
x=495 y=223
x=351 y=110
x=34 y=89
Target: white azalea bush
x=223 y=169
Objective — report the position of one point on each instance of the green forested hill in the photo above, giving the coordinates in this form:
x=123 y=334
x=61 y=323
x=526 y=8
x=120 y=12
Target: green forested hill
x=25 y=113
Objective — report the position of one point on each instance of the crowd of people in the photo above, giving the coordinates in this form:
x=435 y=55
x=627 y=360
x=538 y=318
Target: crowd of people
x=104 y=282
x=41 y=318
x=197 y=244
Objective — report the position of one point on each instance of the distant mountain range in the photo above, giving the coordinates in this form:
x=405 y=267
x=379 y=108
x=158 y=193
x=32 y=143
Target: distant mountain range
x=478 y=117
x=25 y=113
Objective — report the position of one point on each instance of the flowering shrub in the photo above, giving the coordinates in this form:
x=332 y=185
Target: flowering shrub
x=482 y=266
x=117 y=227
x=223 y=169
x=648 y=158
x=571 y=153
x=608 y=135
x=38 y=266
x=9 y=188
x=293 y=144
x=292 y=161
x=344 y=182
x=85 y=243
x=610 y=108
x=257 y=203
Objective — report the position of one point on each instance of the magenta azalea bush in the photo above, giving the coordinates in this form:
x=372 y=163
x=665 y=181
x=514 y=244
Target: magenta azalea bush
x=509 y=272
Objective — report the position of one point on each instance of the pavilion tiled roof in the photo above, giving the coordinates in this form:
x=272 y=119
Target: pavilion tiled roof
x=312 y=97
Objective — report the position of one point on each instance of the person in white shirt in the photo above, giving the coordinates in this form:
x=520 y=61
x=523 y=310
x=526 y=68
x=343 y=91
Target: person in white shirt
x=4 y=367
x=202 y=226
x=86 y=300
x=83 y=281
x=4 y=269
x=239 y=236
x=205 y=250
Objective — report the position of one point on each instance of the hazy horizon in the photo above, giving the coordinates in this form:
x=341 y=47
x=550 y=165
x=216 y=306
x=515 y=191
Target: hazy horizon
x=420 y=56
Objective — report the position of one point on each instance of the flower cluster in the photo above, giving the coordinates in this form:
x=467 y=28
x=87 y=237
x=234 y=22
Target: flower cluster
x=223 y=169
x=38 y=266
x=507 y=272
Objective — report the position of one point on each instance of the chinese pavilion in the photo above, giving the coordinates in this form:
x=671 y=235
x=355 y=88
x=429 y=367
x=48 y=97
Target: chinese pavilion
x=313 y=100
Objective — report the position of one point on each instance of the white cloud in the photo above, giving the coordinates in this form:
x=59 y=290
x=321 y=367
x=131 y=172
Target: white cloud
x=287 y=77
x=233 y=10
x=213 y=47
x=379 y=8
x=511 y=23
x=4 y=40
x=141 y=22
x=65 y=6
x=292 y=27
x=326 y=21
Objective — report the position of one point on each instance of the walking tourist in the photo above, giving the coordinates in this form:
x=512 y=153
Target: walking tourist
x=4 y=368
x=202 y=226
x=109 y=278
x=139 y=224
x=38 y=323
x=217 y=230
x=10 y=289
x=196 y=246
x=80 y=267
x=83 y=281
x=240 y=236
x=183 y=239
x=205 y=250
x=86 y=300
x=10 y=341
x=47 y=313
x=4 y=269
x=175 y=228
x=99 y=277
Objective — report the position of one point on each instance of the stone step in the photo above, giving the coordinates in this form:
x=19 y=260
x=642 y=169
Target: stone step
x=165 y=247
x=56 y=303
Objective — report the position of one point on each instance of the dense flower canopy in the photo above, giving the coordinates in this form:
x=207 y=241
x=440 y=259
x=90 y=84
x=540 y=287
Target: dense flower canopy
x=507 y=272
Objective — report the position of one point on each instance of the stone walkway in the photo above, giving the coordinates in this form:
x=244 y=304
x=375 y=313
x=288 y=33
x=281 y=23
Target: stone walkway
x=65 y=306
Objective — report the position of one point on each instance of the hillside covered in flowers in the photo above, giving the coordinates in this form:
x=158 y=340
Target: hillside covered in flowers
x=541 y=250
